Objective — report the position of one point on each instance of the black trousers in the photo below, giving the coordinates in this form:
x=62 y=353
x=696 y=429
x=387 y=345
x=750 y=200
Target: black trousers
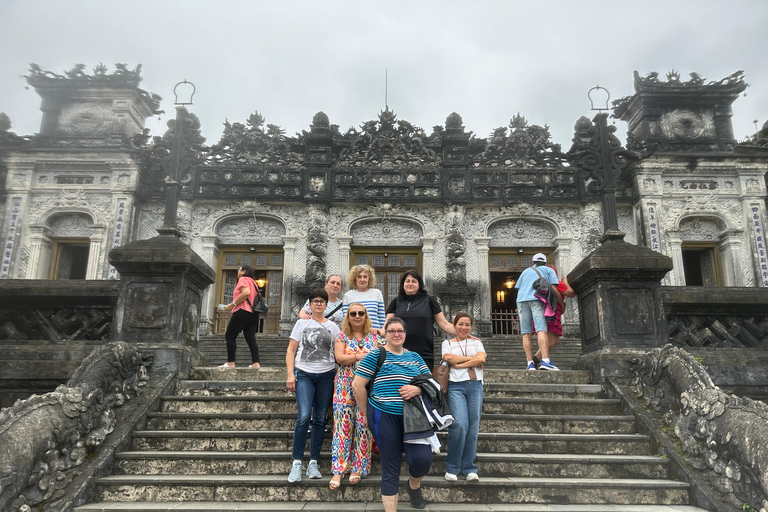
x=247 y=323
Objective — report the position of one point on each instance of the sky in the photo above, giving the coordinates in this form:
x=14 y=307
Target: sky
x=486 y=60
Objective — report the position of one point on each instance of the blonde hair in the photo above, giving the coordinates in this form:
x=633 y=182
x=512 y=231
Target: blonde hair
x=346 y=325
x=355 y=271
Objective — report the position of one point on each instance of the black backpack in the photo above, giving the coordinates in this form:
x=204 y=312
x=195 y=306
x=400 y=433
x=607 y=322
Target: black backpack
x=379 y=363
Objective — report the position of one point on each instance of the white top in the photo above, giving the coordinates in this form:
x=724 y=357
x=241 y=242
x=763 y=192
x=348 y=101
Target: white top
x=315 y=353
x=373 y=301
x=469 y=348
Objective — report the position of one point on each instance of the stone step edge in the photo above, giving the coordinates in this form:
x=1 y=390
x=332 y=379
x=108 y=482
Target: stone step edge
x=549 y=458
x=250 y=506
x=436 y=481
x=530 y=436
x=291 y=415
x=524 y=387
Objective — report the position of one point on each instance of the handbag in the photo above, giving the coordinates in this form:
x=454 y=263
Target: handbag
x=441 y=373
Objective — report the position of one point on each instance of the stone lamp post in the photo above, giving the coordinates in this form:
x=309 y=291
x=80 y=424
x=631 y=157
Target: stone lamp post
x=619 y=284
x=162 y=280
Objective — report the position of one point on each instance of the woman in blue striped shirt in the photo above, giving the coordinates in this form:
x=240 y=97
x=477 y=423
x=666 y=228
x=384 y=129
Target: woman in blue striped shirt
x=362 y=281
x=384 y=417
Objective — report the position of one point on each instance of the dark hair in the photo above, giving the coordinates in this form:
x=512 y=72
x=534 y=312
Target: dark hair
x=318 y=293
x=394 y=320
x=414 y=274
x=460 y=315
x=248 y=271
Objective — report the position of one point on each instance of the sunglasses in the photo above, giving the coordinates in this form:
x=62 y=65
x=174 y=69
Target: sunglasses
x=358 y=313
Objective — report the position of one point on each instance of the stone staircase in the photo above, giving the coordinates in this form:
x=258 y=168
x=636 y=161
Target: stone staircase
x=503 y=351
x=548 y=441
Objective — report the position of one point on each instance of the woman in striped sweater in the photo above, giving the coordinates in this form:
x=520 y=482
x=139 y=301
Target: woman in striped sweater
x=362 y=280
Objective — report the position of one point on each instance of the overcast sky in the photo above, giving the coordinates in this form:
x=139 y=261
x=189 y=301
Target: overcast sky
x=486 y=60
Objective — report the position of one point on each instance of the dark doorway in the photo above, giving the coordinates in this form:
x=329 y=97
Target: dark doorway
x=700 y=266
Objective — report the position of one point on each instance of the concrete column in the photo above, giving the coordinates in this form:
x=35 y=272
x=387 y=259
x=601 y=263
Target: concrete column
x=286 y=319
x=484 y=290
x=40 y=244
x=677 y=276
x=344 y=251
x=562 y=255
x=94 y=252
x=428 y=261
x=730 y=256
x=210 y=256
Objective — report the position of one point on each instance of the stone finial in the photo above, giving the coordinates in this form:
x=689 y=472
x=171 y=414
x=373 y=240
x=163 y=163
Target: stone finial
x=320 y=120
x=454 y=121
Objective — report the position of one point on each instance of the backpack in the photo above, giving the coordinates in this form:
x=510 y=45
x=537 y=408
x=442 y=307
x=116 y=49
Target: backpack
x=379 y=363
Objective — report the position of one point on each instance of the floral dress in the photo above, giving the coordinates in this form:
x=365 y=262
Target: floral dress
x=351 y=447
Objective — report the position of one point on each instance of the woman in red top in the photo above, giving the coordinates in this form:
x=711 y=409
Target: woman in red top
x=243 y=318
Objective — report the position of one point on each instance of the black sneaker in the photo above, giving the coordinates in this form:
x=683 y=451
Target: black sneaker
x=536 y=362
x=417 y=500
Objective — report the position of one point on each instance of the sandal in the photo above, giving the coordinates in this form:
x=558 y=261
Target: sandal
x=224 y=366
x=335 y=484
x=354 y=479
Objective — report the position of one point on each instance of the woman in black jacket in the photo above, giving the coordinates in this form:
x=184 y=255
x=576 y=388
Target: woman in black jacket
x=420 y=311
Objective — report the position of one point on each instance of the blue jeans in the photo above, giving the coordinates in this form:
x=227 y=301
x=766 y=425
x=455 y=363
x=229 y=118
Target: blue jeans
x=465 y=399
x=313 y=391
x=531 y=311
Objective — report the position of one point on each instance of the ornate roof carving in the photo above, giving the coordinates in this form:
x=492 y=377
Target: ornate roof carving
x=524 y=146
x=250 y=144
x=121 y=77
x=8 y=139
x=388 y=143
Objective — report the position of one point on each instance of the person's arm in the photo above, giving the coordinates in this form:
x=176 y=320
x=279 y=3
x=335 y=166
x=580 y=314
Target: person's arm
x=382 y=314
x=305 y=312
x=444 y=324
x=361 y=396
x=409 y=391
x=239 y=299
x=455 y=359
x=290 y=357
x=568 y=292
x=472 y=362
x=342 y=356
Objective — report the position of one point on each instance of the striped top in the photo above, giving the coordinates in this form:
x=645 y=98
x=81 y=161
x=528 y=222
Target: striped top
x=397 y=371
x=373 y=301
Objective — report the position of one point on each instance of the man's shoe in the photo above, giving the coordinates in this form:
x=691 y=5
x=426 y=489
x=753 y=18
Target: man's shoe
x=312 y=471
x=417 y=500
x=295 y=474
x=531 y=366
x=472 y=477
x=451 y=477
x=547 y=365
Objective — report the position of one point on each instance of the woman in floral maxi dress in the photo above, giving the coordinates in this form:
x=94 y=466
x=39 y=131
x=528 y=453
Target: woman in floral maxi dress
x=351 y=448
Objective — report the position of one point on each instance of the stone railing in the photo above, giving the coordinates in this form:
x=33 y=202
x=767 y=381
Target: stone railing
x=55 y=310
x=723 y=436
x=45 y=438
x=723 y=317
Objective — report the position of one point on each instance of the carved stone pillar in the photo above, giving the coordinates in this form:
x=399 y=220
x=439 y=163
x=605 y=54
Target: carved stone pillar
x=484 y=318
x=94 y=252
x=210 y=245
x=39 y=252
x=286 y=316
x=562 y=257
x=677 y=276
x=428 y=261
x=344 y=251
x=730 y=255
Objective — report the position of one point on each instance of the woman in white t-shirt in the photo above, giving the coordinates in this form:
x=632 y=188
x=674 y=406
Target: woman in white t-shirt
x=466 y=355
x=311 y=367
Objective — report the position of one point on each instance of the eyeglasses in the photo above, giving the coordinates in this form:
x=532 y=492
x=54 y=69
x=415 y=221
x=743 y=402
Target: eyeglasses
x=358 y=313
x=318 y=302
x=396 y=332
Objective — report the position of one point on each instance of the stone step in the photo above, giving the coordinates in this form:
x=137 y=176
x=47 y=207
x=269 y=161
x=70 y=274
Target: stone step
x=281 y=506
x=287 y=403
x=275 y=441
x=489 y=464
x=550 y=424
x=491 y=389
x=490 y=375
x=434 y=488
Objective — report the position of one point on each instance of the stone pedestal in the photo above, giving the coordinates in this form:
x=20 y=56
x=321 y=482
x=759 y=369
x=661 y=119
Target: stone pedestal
x=161 y=288
x=620 y=306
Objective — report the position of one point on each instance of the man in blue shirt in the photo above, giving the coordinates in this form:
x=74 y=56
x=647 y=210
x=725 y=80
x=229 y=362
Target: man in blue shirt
x=531 y=310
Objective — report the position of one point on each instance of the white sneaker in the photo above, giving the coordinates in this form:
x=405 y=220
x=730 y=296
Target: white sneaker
x=451 y=477
x=472 y=477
